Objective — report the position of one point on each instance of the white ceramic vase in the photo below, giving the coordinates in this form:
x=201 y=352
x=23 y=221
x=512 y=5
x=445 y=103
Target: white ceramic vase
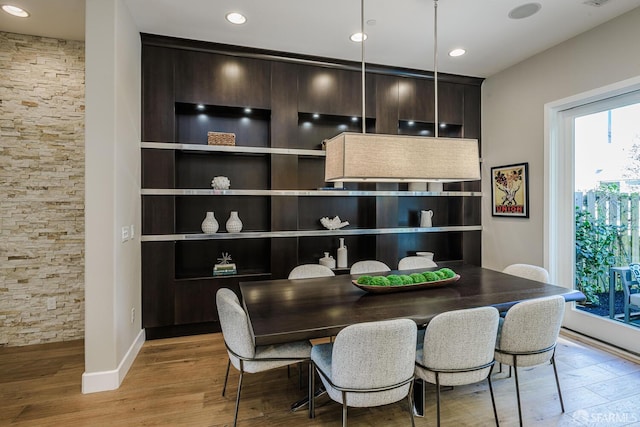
x=234 y=225
x=210 y=224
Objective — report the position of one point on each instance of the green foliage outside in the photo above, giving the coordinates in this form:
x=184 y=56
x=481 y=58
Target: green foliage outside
x=598 y=248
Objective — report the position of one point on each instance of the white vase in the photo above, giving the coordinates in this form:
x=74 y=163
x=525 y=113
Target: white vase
x=234 y=225
x=342 y=254
x=209 y=225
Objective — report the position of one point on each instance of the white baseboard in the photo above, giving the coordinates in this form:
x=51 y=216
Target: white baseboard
x=625 y=354
x=93 y=382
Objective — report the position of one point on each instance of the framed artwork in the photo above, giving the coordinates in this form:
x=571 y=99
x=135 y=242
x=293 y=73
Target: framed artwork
x=510 y=190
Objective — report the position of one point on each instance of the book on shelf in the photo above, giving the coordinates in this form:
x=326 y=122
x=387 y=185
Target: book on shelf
x=224 y=269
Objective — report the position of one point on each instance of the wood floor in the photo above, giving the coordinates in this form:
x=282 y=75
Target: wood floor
x=179 y=382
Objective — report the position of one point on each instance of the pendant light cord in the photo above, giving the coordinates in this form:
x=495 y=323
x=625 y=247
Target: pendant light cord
x=364 y=117
x=435 y=63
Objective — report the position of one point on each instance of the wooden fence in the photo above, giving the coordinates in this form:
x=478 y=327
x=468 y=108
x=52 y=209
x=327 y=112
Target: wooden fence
x=619 y=209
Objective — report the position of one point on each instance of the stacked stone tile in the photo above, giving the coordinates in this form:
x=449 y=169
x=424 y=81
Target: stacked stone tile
x=41 y=189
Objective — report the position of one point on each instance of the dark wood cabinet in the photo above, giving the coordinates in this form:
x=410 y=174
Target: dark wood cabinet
x=280 y=109
x=206 y=78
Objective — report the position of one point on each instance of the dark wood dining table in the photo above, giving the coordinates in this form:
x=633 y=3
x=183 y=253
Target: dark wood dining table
x=290 y=310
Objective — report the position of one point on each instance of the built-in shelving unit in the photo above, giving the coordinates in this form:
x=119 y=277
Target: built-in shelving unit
x=305 y=233
x=280 y=114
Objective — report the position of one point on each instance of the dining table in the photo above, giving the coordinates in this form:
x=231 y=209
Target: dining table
x=286 y=310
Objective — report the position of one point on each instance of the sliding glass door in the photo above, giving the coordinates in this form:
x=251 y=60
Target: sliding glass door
x=594 y=211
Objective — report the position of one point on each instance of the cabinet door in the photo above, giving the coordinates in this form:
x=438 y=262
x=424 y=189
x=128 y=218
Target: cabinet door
x=157 y=284
x=158 y=124
x=215 y=79
x=332 y=91
x=450 y=103
x=417 y=101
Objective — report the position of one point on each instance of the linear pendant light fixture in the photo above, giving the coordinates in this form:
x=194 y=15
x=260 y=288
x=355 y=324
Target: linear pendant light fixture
x=363 y=157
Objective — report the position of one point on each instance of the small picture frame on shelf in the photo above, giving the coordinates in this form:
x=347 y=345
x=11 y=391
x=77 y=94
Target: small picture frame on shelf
x=510 y=190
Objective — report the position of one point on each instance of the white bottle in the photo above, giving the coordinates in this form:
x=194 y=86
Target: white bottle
x=342 y=254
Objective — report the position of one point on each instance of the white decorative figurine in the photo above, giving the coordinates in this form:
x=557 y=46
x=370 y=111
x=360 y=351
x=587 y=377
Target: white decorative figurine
x=220 y=183
x=334 y=223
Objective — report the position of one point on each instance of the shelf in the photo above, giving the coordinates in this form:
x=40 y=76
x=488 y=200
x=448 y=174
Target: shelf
x=261 y=276
x=234 y=149
x=311 y=193
x=304 y=233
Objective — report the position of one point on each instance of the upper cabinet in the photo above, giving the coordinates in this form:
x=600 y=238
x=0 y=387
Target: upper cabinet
x=333 y=91
x=208 y=78
x=417 y=101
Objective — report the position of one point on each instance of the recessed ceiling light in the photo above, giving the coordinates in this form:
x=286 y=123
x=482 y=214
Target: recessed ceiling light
x=15 y=11
x=525 y=10
x=200 y=107
x=247 y=110
x=457 y=52
x=357 y=37
x=236 y=18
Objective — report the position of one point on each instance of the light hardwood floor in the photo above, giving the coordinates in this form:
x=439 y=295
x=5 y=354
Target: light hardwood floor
x=178 y=382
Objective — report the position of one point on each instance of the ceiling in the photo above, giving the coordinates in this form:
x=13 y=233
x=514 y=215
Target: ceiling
x=401 y=35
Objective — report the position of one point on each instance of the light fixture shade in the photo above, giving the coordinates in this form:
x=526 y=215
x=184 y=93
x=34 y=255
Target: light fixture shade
x=358 y=157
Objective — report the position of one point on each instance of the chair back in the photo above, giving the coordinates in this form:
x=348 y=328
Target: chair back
x=235 y=325
x=374 y=354
x=306 y=271
x=628 y=280
x=528 y=271
x=370 y=266
x=412 y=262
x=532 y=326
x=461 y=339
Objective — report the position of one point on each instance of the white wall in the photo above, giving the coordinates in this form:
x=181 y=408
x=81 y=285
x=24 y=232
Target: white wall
x=112 y=199
x=513 y=123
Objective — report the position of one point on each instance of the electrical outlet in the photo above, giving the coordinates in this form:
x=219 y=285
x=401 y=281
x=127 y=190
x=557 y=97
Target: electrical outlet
x=133 y=315
x=51 y=303
x=125 y=234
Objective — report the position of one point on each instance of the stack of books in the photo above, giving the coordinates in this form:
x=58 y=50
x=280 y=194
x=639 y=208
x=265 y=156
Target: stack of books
x=224 y=269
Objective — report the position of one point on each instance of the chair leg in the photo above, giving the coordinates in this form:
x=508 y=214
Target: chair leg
x=424 y=400
x=226 y=377
x=515 y=370
x=312 y=377
x=555 y=372
x=235 y=417
x=409 y=396
x=493 y=400
x=438 y=398
x=300 y=375
x=344 y=409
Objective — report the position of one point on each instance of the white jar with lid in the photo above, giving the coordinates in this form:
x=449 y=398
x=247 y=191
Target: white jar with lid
x=328 y=261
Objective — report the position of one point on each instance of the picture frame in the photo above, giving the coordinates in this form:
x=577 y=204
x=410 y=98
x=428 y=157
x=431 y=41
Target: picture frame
x=510 y=190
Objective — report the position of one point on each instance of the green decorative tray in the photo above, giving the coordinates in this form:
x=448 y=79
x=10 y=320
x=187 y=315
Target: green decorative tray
x=403 y=288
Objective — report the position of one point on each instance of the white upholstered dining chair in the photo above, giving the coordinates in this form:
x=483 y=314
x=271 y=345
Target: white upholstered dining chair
x=413 y=262
x=528 y=271
x=458 y=349
x=528 y=336
x=307 y=271
x=369 y=364
x=243 y=354
x=369 y=266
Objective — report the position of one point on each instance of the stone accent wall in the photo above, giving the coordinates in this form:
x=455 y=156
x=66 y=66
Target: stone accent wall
x=41 y=189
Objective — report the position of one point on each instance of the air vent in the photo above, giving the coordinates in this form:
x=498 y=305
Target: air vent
x=596 y=3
